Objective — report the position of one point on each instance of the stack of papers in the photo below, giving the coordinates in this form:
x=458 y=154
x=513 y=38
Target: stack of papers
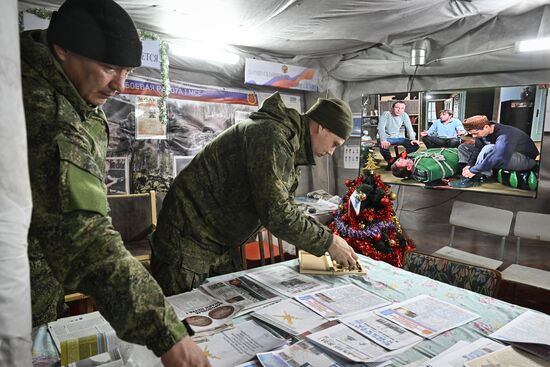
x=286 y=281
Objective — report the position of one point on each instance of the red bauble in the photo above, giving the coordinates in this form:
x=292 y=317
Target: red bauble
x=384 y=201
x=348 y=183
x=377 y=236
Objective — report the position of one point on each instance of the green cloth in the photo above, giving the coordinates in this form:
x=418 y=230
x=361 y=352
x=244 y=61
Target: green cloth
x=72 y=243
x=434 y=164
x=244 y=178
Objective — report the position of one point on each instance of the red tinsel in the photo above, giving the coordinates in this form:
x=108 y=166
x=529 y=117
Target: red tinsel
x=394 y=243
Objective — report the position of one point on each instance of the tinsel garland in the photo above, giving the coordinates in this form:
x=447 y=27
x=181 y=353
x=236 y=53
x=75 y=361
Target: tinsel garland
x=375 y=230
x=164 y=65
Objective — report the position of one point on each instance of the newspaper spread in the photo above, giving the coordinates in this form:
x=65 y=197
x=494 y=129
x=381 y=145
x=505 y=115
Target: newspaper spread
x=381 y=331
x=351 y=345
x=241 y=291
x=427 y=316
x=290 y=316
x=508 y=356
x=79 y=326
x=201 y=311
x=286 y=281
x=528 y=331
x=467 y=352
x=299 y=354
x=239 y=344
x=340 y=301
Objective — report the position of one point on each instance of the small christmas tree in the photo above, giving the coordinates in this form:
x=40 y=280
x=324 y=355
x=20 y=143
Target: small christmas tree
x=367 y=221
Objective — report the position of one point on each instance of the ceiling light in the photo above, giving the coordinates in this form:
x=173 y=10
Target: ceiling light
x=537 y=44
x=205 y=51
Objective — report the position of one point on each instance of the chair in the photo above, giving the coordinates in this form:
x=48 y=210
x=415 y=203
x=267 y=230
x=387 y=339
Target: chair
x=254 y=251
x=535 y=226
x=475 y=278
x=134 y=216
x=480 y=218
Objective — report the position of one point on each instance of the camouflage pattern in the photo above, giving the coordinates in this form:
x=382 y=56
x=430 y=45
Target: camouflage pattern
x=72 y=242
x=245 y=177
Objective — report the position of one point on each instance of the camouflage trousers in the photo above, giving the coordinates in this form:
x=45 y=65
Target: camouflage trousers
x=47 y=294
x=188 y=267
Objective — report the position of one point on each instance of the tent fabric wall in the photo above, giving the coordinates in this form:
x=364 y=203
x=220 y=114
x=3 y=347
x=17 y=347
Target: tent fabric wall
x=15 y=202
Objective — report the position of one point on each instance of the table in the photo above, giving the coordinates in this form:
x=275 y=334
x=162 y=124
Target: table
x=396 y=285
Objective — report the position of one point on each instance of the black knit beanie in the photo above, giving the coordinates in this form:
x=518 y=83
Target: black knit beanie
x=97 y=29
x=333 y=114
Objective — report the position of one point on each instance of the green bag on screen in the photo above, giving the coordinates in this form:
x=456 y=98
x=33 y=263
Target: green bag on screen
x=434 y=164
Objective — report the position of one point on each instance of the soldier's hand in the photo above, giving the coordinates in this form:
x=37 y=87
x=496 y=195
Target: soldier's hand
x=185 y=354
x=341 y=252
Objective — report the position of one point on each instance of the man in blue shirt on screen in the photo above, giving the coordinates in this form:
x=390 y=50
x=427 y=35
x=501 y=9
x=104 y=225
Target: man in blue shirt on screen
x=444 y=131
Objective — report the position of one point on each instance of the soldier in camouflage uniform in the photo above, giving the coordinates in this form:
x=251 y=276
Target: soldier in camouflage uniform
x=244 y=178
x=68 y=72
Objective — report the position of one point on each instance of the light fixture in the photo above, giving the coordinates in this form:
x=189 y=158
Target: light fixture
x=420 y=51
x=205 y=51
x=537 y=44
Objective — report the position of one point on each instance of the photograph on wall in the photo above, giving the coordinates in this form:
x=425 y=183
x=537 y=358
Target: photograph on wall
x=148 y=124
x=116 y=175
x=180 y=162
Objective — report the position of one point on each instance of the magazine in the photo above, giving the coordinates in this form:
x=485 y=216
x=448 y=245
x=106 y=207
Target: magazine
x=299 y=354
x=286 y=281
x=340 y=301
x=201 y=311
x=241 y=291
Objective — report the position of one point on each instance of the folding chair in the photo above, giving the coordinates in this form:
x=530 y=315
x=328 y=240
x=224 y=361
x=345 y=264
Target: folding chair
x=475 y=278
x=535 y=226
x=480 y=218
x=255 y=250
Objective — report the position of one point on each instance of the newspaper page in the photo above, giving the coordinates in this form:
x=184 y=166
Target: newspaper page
x=351 y=345
x=528 y=331
x=381 y=331
x=286 y=281
x=201 y=311
x=107 y=359
x=239 y=344
x=340 y=301
x=427 y=316
x=117 y=175
x=299 y=354
x=458 y=357
x=289 y=316
x=508 y=356
x=241 y=291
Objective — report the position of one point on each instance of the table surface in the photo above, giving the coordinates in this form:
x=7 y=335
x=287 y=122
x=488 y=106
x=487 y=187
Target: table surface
x=396 y=285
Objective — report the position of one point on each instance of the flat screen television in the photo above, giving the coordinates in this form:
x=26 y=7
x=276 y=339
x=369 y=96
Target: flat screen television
x=521 y=106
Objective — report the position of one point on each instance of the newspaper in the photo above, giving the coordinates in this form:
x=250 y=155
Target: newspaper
x=427 y=316
x=201 y=311
x=286 y=281
x=241 y=291
x=107 y=359
x=239 y=344
x=467 y=352
x=528 y=331
x=381 y=331
x=508 y=356
x=351 y=345
x=340 y=301
x=82 y=336
x=289 y=316
x=299 y=354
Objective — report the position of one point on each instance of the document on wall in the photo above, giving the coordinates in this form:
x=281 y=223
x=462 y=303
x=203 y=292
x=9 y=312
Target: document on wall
x=351 y=345
x=381 y=331
x=427 y=316
x=241 y=291
x=201 y=311
x=340 y=301
x=286 y=281
x=528 y=331
x=467 y=352
x=289 y=316
x=239 y=344
x=298 y=354
x=508 y=356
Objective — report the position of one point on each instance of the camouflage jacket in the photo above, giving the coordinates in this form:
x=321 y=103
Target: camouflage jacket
x=243 y=178
x=70 y=228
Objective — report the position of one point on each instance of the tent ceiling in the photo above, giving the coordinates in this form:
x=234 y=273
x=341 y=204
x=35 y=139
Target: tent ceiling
x=352 y=40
